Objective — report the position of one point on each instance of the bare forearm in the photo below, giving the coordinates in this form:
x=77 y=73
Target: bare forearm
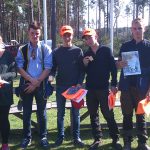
x=44 y=75
x=24 y=74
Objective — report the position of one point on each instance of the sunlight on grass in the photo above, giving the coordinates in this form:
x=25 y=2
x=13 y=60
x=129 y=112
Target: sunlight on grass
x=16 y=130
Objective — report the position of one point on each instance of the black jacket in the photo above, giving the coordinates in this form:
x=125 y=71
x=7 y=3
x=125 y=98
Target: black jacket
x=99 y=70
x=8 y=73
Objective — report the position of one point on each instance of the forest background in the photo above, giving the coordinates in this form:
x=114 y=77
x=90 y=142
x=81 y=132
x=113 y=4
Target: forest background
x=15 y=15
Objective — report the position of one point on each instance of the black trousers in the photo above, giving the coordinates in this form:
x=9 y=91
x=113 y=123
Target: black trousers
x=129 y=102
x=96 y=98
x=4 y=123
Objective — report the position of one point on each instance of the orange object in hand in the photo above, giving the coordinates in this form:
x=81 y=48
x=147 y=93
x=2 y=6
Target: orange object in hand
x=73 y=93
x=111 y=100
x=144 y=106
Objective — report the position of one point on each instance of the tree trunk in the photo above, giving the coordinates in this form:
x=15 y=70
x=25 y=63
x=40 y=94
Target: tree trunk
x=39 y=11
x=66 y=12
x=149 y=15
x=53 y=23
x=31 y=11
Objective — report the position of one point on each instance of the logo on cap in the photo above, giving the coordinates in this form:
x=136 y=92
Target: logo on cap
x=66 y=29
x=88 y=31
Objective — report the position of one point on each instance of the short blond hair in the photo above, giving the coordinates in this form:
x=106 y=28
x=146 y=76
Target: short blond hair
x=138 y=20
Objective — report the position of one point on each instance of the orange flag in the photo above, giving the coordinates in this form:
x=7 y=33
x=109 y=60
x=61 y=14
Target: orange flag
x=144 y=106
x=111 y=100
x=75 y=94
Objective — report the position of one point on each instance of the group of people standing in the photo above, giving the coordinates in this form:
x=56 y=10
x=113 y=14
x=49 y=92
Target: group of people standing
x=68 y=64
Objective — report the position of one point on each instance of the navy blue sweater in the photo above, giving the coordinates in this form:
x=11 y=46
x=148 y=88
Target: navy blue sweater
x=68 y=66
x=141 y=81
x=99 y=70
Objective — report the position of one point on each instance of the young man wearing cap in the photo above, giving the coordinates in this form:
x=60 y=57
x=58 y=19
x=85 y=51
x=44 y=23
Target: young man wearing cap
x=135 y=87
x=67 y=62
x=99 y=64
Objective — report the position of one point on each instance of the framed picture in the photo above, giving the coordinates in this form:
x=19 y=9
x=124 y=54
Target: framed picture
x=133 y=63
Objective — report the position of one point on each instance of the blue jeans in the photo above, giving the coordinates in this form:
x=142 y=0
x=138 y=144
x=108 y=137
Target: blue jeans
x=61 y=101
x=41 y=113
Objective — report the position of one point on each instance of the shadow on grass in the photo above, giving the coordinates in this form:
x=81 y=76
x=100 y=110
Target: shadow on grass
x=16 y=137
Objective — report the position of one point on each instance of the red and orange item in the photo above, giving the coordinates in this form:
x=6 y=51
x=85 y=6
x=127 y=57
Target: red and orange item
x=78 y=105
x=76 y=95
x=144 y=106
x=111 y=100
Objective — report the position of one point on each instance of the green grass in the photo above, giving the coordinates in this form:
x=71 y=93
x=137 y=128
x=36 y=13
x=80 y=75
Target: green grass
x=16 y=130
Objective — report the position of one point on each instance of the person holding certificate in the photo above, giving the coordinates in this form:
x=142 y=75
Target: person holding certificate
x=134 y=82
x=7 y=74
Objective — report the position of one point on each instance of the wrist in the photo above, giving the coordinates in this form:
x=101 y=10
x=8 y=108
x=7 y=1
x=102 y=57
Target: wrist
x=39 y=80
x=28 y=78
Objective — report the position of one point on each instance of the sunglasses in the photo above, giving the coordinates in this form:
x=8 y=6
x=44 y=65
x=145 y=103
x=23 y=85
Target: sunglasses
x=33 y=54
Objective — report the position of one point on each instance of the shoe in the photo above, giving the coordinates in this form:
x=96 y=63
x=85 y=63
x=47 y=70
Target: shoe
x=44 y=142
x=127 y=146
x=5 y=147
x=143 y=146
x=116 y=145
x=95 y=144
x=25 y=142
x=59 y=141
x=78 y=143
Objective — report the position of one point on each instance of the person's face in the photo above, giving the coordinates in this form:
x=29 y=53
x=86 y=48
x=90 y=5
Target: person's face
x=90 y=40
x=34 y=35
x=67 y=38
x=138 y=30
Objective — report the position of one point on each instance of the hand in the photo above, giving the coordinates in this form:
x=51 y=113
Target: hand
x=121 y=64
x=86 y=60
x=148 y=94
x=51 y=78
x=114 y=89
x=30 y=88
x=79 y=85
x=35 y=82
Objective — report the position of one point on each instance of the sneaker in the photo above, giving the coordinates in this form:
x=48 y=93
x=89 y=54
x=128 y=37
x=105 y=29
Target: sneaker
x=44 y=142
x=143 y=146
x=116 y=145
x=5 y=147
x=78 y=143
x=59 y=141
x=95 y=144
x=25 y=142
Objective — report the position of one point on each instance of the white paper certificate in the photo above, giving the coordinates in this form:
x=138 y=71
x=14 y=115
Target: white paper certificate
x=133 y=67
